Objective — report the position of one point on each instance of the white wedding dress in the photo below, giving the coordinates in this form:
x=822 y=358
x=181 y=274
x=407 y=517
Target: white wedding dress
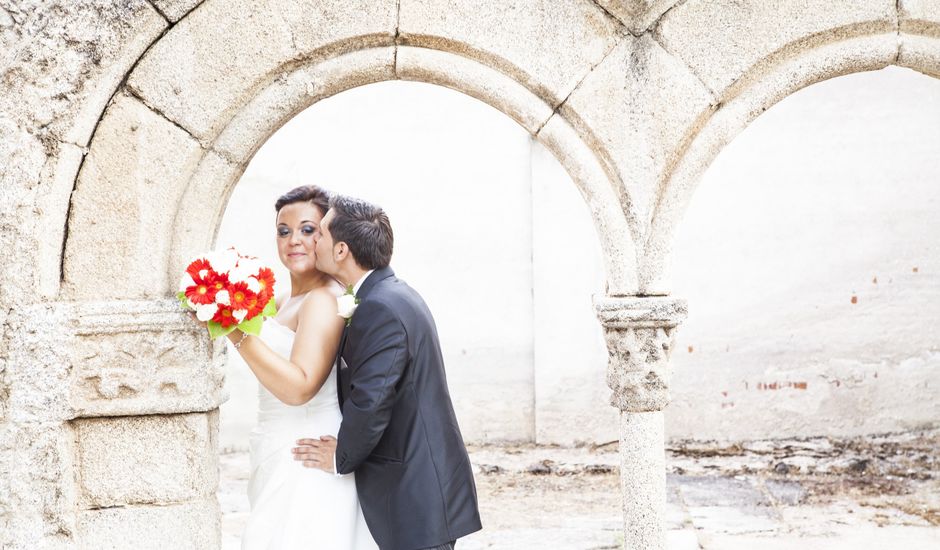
x=293 y=507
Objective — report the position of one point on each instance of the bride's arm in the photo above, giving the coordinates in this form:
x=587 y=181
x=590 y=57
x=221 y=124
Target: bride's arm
x=297 y=380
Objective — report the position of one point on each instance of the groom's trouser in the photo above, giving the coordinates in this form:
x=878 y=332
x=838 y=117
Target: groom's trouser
x=448 y=546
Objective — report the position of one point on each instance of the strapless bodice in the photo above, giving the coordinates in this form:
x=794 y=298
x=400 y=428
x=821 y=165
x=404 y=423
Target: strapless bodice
x=281 y=340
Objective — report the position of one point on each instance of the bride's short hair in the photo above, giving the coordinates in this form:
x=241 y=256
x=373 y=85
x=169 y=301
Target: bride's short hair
x=316 y=196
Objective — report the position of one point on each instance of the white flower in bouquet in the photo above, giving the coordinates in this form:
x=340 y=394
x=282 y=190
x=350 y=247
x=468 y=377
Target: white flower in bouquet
x=253 y=284
x=205 y=312
x=223 y=261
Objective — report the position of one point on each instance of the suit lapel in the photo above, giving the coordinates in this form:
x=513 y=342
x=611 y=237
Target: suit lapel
x=372 y=280
x=364 y=290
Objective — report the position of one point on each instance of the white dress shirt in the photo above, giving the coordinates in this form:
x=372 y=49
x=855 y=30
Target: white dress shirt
x=358 y=285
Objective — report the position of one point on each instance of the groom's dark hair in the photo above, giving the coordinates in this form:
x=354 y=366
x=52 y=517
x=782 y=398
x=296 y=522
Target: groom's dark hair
x=365 y=229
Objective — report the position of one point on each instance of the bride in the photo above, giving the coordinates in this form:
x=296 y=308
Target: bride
x=293 y=507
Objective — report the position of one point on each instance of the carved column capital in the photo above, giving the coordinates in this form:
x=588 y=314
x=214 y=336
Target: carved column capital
x=640 y=333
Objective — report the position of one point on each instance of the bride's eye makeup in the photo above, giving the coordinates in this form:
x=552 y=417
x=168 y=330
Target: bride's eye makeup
x=307 y=230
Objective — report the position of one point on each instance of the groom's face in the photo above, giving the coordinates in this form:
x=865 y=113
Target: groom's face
x=324 y=245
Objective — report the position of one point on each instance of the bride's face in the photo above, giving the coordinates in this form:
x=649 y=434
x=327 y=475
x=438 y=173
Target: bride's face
x=297 y=224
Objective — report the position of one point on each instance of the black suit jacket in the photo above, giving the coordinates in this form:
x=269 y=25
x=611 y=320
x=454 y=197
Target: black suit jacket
x=399 y=432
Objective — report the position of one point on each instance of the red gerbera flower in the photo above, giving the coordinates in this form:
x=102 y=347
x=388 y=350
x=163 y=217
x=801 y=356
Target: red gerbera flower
x=224 y=317
x=255 y=307
x=217 y=282
x=197 y=266
x=266 y=280
x=201 y=292
x=240 y=296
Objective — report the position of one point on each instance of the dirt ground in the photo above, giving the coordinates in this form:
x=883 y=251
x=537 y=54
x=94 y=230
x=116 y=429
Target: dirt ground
x=871 y=492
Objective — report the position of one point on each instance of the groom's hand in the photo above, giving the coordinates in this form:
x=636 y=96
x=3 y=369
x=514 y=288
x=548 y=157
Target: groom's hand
x=316 y=453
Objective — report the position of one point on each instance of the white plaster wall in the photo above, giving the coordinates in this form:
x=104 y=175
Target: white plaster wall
x=832 y=193
x=571 y=390
x=460 y=200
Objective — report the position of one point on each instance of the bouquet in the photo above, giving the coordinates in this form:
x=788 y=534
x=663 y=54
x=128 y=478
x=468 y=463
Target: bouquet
x=228 y=291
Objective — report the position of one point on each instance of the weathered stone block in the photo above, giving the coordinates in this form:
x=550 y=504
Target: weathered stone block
x=37 y=367
x=22 y=157
x=70 y=56
x=637 y=15
x=911 y=11
x=920 y=36
x=636 y=109
x=6 y=471
x=546 y=46
x=155 y=459
x=142 y=358
x=174 y=10
x=723 y=40
x=124 y=204
x=920 y=53
x=216 y=59
x=189 y=526
x=197 y=222
x=37 y=489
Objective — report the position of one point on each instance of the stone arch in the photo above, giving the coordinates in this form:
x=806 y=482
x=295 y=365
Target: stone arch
x=211 y=110
x=170 y=145
x=907 y=34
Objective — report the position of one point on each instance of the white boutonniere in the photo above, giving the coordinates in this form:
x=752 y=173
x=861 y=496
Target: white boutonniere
x=346 y=304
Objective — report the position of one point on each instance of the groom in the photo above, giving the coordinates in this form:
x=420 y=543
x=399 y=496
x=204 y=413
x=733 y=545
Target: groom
x=399 y=433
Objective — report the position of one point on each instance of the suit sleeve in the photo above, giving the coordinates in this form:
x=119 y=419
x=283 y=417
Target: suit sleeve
x=379 y=364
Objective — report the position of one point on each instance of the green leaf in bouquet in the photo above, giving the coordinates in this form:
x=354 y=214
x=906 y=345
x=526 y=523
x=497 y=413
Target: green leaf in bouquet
x=252 y=326
x=182 y=298
x=270 y=309
x=216 y=329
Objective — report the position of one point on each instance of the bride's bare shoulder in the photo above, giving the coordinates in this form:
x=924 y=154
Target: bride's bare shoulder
x=322 y=294
x=332 y=289
x=319 y=301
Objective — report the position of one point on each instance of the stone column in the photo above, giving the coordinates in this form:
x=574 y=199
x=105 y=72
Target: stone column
x=640 y=333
